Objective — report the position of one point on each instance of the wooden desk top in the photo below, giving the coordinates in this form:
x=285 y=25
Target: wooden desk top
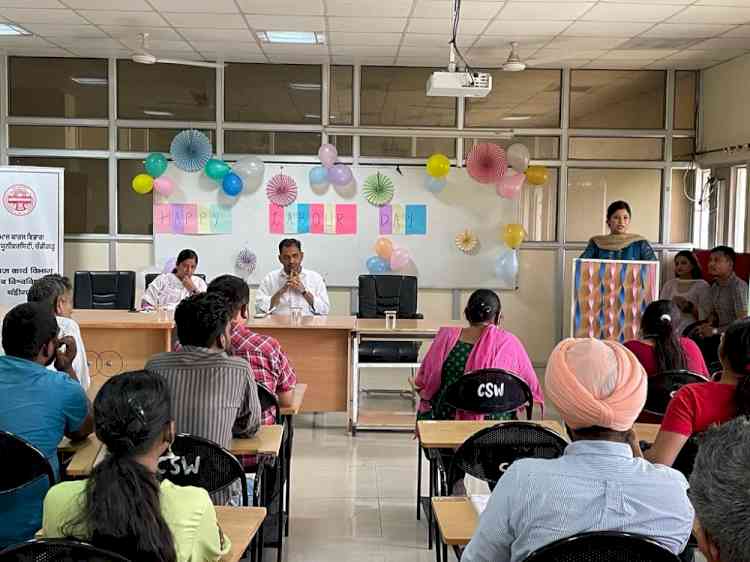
x=239 y=524
x=646 y=431
x=297 y=398
x=447 y=434
x=84 y=457
x=377 y=326
x=279 y=321
x=457 y=518
x=266 y=442
x=68 y=446
x=120 y=319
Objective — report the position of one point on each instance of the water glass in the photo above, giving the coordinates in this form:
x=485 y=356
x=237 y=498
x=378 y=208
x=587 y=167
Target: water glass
x=390 y=319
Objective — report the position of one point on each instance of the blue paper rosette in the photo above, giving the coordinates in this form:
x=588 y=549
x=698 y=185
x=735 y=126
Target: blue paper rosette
x=190 y=150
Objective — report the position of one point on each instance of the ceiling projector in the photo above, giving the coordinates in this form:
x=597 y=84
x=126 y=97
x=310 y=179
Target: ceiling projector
x=459 y=84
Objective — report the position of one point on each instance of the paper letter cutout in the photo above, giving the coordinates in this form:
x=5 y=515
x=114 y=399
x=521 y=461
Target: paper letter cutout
x=416 y=219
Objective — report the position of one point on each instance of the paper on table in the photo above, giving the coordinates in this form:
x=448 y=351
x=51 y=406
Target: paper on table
x=479 y=501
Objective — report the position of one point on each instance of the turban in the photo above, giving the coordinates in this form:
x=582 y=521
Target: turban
x=595 y=383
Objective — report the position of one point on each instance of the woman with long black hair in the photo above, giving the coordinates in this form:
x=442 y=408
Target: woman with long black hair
x=123 y=507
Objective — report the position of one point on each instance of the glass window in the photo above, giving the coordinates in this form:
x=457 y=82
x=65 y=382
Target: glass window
x=272 y=93
x=518 y=99
x=66 y=138
x=269 y=142
x=685 y=99
x=407 y=147
x=617 y=99
x=58 y=87
x=740 y=207
x=131 y=139
x=341 y=98
x=683 y=149
x=681 y=206
x=590 y=191
x=167 y=92
x=539 y=209
x=395 y=97
x=343 y=144
x=598 y=148
x=135 y=213
x=540 y=148
x=86 y=191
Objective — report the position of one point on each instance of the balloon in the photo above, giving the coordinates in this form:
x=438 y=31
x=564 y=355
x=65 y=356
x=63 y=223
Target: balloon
x=170 y=264
x=164 y=186
x=506 y=267
x=435 y=185
x=537 y=175
x=513 y=235
x=510 y=185
x=377 y=265
x=318 y=175
x=156 y=164
x=384 y=248
x=518 y=157
x=340 y=175
x=328 y=154
x=399 y=259
x=232 y=184
x=143 y=183
x=438 y=165
x=250 y=170
x=217 y=169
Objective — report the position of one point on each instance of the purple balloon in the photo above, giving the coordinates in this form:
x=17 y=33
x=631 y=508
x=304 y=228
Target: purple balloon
x=340 y=175
x=327 y=154
x=170 y=265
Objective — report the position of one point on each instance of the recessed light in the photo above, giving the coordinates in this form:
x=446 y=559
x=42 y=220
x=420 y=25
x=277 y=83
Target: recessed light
x=293 y=37
x=157 y=113
x=312 y=116
x=517 y=118
x=304 y=86
x=89 y=81
x=8 y=29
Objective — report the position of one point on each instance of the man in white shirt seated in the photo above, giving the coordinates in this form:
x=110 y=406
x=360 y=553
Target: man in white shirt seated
x=291 y=286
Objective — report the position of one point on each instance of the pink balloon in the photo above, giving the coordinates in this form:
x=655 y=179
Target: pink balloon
x=340 y=175
x=164 y=185
x=509 y=186
x=399 y=259
x=327 y=154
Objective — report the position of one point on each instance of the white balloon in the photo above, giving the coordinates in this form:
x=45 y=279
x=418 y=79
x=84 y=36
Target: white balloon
x=251 y=171
x=518 y=157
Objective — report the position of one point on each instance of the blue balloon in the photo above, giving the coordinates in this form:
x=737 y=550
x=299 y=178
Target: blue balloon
x=232 y=184
x=506 y=268
x=435 y=185
x=376 y=264
x=318 y=175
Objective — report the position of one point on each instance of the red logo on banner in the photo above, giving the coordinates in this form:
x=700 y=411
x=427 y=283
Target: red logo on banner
x=19 y=200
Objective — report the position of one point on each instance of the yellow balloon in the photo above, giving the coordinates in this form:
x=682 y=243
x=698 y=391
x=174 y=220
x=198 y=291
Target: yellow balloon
x=513 y=235
x=438 y=165
x=143 y=183
x=537 y=175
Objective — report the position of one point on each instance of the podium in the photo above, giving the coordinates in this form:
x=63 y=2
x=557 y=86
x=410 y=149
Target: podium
x=610 y=296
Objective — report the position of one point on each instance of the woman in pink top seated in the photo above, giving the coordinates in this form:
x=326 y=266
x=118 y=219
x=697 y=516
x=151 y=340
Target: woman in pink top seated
x=481 y=345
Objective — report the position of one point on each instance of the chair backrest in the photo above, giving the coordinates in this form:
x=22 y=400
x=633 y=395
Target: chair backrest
x=151 y=276
x=112 y=290
x=381 y=293
x=686 y=457
x=268 y=400
x=28 y=463
x=204 y=464
x=490 y=391
x=603 y=546
x=489 y=452
x=663 y=386
x=58 y=550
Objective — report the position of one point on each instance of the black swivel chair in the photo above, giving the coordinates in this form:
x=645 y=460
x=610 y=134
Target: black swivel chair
x=110 y=290
x=603 y=546
x=29 y=464
x=268 y=401
x=663 y=386
x=58 y=550
x=151 y=276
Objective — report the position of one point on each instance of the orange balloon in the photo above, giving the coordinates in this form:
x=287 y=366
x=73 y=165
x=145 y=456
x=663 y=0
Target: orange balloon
x=384 y=248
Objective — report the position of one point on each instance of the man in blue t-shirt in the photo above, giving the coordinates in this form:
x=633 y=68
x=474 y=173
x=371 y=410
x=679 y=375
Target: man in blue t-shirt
x=38 y=405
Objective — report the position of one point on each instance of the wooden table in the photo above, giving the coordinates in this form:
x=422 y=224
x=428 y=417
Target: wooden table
x=319 y=349
x=457 y=519
x=646 y=431
x=297 y=398
x=266 y=442
x=85 y=455
x=239 y=524
x=449 y=434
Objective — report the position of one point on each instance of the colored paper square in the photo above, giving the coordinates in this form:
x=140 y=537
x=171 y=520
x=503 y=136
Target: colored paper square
x=416 y=219
x=399 y=220
x=178 y=219
x=346 y=219
x=317 y=218
x=204 y=219
x=275 y=219
x=290 y=219
x=221 y=219
x=330 y=218
x=162 y=219
x=303 y=218
x=386 y=223
x=190 y=216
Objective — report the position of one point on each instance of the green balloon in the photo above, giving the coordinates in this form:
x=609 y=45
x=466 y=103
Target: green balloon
x=156 y=164
x=216 y=169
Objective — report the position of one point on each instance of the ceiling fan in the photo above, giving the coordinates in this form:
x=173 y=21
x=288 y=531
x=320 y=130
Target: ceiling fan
x=514 y=62
x=144 y=57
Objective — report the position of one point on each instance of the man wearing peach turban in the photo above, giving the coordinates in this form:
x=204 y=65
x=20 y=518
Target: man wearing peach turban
x=599 y=388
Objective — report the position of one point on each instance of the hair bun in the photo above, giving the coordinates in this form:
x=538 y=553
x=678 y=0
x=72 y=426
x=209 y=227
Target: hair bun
x=666 y=318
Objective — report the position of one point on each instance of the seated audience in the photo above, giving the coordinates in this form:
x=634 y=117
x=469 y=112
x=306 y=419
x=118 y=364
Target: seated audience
x=685 y=289
x=57 y=292
x=124 y=506
x=168 y=289
x=37 y=405
x=268 y=362
x=696 y=407
x=720 y=493
x=599 y=484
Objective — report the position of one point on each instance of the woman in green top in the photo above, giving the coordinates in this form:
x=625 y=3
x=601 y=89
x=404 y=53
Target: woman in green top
x=122 y=507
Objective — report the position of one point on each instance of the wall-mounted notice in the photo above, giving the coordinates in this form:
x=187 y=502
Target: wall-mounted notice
x=192 y=218
x=313 y=218
x=403 y=219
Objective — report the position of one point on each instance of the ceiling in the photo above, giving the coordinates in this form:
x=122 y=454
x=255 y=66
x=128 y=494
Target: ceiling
x=583 y=34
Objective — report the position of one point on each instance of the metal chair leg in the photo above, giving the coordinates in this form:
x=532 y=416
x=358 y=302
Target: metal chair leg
x=290 y=442
x=280 y=523
x=419 y=480
x=429 y=504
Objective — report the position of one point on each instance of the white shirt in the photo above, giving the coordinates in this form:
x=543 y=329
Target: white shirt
x=167 y=290
x=312 y=281
x=69 y=327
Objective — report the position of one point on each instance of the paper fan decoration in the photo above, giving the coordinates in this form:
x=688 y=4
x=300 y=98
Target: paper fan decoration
x=467 y=241
x=190 y=150
x=378 y=190
x=486 y=163
x=246 y=261
x=281 y=190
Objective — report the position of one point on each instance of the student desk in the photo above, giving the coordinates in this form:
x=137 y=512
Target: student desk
x=287 y=414
x=84 y=453
x=239 y=524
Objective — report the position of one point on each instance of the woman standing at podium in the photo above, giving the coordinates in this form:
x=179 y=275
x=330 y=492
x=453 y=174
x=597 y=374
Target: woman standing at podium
x=619 y=244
